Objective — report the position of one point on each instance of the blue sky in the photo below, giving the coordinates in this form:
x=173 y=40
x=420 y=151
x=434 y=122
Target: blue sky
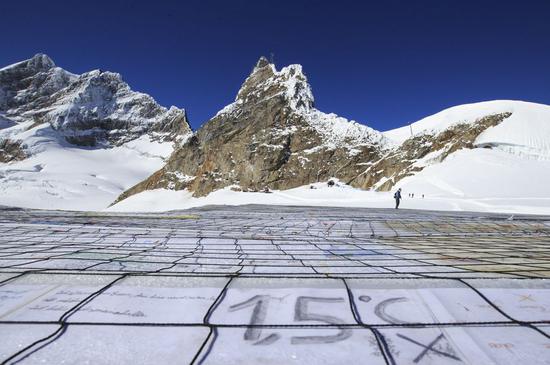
x=382 y=63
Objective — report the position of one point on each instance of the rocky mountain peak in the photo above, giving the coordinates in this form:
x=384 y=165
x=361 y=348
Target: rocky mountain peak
x=262 y=62
x=34 y=79
x=271 y=136
x=41 y=61
x=265 y=82
x=100 y=106
x=38 y=63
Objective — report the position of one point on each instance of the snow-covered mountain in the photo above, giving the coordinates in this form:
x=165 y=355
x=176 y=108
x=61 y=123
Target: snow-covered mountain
x=489 y=156
x=95 y=108
x=525 y=132
x=77 y=141
x=272 y=136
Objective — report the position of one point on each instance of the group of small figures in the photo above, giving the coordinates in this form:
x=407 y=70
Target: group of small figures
x=397 y=196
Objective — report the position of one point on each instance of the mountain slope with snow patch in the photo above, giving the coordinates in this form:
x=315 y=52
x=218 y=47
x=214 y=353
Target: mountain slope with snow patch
x=77 y=141
x=488 y=156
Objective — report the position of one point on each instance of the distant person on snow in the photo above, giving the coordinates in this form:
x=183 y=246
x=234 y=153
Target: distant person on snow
x=397 y=197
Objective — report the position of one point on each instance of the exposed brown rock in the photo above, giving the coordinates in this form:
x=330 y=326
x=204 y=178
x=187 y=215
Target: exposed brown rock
x=11 y=151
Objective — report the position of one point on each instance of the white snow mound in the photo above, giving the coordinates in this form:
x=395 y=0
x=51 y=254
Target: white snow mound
x=59 y=175
x=526 y=132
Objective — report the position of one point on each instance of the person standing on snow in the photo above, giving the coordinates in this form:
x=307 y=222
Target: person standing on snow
x=397 y=197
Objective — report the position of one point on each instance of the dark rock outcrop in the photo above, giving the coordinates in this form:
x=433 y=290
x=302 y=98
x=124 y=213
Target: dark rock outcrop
x=11 y=151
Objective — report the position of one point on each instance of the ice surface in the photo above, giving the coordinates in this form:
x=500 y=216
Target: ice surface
x=16 y=337
x=429 y=301
x=121 y=345
x=274 y=285
x=279 y=348
x=61 y=176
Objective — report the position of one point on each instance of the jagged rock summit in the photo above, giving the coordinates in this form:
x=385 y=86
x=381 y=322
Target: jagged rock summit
x=27 y=84
x=95 y=108
x=265 y=81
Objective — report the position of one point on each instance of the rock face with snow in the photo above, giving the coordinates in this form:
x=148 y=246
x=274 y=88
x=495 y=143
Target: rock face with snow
x=80 y=141
x=488 y=156
x=424 y=149
x=11 y=151
x=95 y=108
x=271 y=136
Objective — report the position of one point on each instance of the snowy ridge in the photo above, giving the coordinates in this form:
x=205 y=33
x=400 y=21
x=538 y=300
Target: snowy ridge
x=25 y=83
x=39 y=59
x=340 y=132
x=42 y=105
x=95 y=108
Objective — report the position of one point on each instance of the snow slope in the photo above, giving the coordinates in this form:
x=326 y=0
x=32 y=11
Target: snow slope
x=48 y=115
x=340 y=196
x=59 y=175
x=493 y=180
x=508 y=171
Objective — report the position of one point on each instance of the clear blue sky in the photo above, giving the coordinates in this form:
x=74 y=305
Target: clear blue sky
x=382 y=63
